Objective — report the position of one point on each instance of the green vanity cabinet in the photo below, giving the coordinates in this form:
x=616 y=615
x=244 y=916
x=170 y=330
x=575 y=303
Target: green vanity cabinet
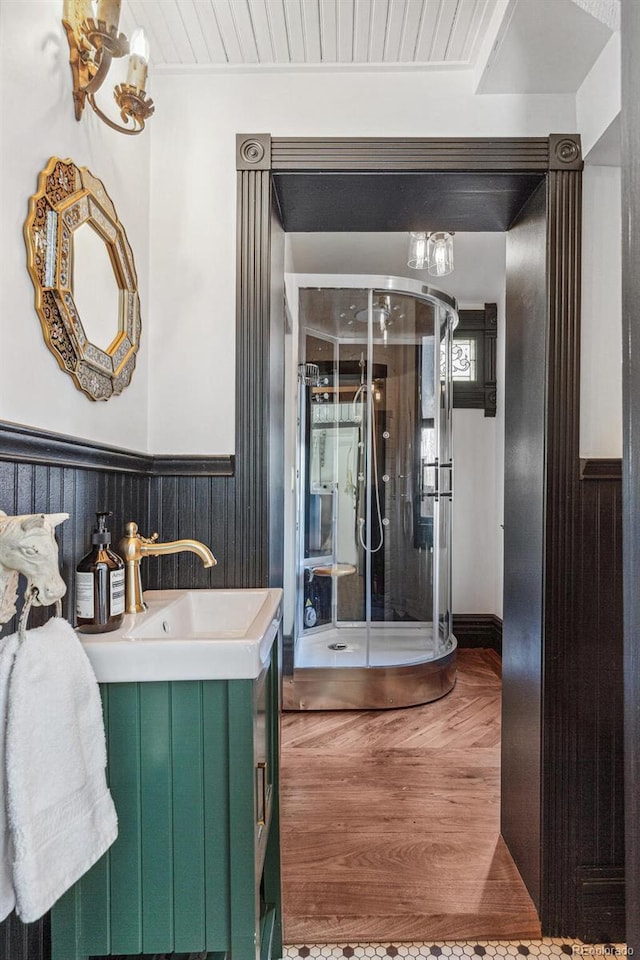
x=193 y=770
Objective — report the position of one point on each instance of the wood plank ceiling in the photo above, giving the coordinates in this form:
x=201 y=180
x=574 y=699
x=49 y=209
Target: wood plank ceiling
x=339 y=32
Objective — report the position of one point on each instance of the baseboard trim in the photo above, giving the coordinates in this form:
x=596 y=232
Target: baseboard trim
x=478 y=630
x=600 y=895
x=29 y=445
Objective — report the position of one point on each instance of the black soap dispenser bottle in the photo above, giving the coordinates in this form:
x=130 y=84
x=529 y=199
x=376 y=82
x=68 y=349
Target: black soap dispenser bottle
x=100 y=584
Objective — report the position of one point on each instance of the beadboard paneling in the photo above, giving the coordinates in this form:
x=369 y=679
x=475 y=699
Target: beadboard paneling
x=188 y=507
x=36 y=488
x=594 y=673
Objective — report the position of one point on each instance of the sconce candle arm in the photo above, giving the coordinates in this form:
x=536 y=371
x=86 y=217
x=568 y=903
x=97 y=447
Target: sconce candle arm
x=136 y=118
x=103 y=62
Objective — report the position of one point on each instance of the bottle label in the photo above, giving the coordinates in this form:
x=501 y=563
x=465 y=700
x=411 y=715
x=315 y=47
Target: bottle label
x=116 y=582
x=84 y=596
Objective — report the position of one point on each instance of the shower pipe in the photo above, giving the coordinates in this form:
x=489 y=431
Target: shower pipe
x=366 y=547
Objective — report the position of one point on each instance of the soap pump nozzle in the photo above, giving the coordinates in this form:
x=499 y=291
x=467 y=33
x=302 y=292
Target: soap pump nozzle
x=101 y=536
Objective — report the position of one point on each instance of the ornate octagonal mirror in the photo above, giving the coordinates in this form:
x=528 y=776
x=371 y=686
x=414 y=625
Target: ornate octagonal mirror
x=85 y=279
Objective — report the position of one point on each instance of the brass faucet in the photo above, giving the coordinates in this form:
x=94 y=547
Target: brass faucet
x=133 y=547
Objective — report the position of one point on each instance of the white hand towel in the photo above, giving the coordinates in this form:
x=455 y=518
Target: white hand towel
x=8 y=648
x=61 y=815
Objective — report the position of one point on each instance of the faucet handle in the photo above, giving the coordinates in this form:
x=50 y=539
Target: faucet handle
x=152 y=539
x=131 y=530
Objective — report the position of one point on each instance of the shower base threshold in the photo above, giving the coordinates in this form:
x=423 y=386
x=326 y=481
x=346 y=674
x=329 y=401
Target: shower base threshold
x=369 y=688
x=381 y=645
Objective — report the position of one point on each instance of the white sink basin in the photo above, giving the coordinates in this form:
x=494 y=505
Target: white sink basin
x=189 y=635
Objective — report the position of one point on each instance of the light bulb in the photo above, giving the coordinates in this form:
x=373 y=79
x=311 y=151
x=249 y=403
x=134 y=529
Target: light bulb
x=417 y=250
x=440 y=254
x=138 y=60
x=139 y=45
x=440 y=260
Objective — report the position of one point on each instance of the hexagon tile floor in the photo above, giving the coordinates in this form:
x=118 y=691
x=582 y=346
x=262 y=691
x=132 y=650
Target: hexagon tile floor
x=472 y=949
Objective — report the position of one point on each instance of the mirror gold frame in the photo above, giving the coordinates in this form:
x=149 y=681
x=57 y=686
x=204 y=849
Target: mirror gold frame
x=68 y=197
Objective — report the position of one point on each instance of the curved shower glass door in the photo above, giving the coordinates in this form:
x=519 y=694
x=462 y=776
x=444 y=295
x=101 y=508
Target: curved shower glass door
x=374 y=488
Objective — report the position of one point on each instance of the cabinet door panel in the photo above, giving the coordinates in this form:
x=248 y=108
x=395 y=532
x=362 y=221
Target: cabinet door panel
x=123 y=749
x=215 y=732
x=243 y=826
x=188 y=816
x=157 y=798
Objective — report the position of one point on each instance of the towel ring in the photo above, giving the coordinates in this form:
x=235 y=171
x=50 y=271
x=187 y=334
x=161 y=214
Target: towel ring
x=29 y=598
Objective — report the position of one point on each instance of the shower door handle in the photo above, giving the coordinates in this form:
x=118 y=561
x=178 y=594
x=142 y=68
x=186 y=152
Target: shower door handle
x=449 y=491
x=435 y=493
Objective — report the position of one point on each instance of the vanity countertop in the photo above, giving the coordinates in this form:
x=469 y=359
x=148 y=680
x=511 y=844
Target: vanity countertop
x=189 y=635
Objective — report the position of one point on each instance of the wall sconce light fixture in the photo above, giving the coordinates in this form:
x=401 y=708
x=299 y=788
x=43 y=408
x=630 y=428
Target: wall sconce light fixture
x=94 y=42
x=431 y=251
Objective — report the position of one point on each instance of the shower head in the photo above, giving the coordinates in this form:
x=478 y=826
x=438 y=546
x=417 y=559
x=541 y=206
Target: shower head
x=380 y=313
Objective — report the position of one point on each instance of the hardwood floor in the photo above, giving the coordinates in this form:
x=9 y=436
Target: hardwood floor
x=390 y=821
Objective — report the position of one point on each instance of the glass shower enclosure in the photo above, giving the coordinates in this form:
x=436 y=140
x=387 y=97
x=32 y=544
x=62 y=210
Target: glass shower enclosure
x=372 y=623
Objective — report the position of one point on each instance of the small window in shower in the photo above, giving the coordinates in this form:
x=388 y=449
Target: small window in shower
x=464 y=360
x=473 y=357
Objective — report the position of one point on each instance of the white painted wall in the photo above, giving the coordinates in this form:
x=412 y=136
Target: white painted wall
x=601 y=354
x=598 y=98
x=478 y=450
x=37 y=122
x=194 y=204
x=475 y=522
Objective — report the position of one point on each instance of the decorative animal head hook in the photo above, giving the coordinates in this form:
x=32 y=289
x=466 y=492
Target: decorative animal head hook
x=28 y=546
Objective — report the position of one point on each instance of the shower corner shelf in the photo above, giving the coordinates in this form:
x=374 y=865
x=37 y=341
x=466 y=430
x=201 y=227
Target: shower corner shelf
x=334 y=570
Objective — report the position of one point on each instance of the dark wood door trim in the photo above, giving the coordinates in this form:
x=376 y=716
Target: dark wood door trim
x=559 y=157
x=560 y=721
x=496 y=154
x=253 y=313
x=630 y=36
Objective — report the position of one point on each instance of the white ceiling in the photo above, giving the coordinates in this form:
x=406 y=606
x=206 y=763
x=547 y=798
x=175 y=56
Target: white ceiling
x=546 y=46
x=515 y=46
x=479 y=260
x=232 y=32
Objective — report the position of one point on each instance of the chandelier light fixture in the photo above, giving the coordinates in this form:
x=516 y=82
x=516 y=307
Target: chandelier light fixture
x=432 y=252
x=94 y=41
